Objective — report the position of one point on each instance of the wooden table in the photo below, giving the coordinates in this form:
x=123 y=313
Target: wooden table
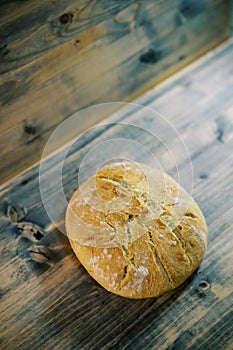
x=49 y=301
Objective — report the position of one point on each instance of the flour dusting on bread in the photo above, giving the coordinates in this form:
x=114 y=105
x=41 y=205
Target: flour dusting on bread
x=136 y=230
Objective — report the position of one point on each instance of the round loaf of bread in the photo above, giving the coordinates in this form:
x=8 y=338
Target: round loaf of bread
x=136 y=230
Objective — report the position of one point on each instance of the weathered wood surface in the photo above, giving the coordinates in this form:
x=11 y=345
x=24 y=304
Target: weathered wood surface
x=59 y=57
x=47 y=298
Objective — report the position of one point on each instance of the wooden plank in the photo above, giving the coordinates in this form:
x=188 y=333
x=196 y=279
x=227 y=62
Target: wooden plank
x=53 y=66
x=47 y=298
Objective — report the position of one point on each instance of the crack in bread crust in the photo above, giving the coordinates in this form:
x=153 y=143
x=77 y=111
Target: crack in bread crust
x=149 y=209
x=123 y=277
x=190 y=215
x=157 y=260
x=175 y=233
x=129 y=265
x=128 y=259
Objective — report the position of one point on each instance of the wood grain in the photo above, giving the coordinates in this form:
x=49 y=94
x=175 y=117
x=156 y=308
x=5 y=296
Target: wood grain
x=57 y=58
x=47 y=298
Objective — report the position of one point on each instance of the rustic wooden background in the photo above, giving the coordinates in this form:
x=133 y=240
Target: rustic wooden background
x=57 y=57
x=49 y=301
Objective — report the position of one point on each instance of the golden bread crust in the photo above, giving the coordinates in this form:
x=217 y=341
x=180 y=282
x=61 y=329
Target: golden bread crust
x=135 y=230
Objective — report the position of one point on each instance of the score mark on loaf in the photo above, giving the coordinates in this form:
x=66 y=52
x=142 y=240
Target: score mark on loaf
x=135 y=230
